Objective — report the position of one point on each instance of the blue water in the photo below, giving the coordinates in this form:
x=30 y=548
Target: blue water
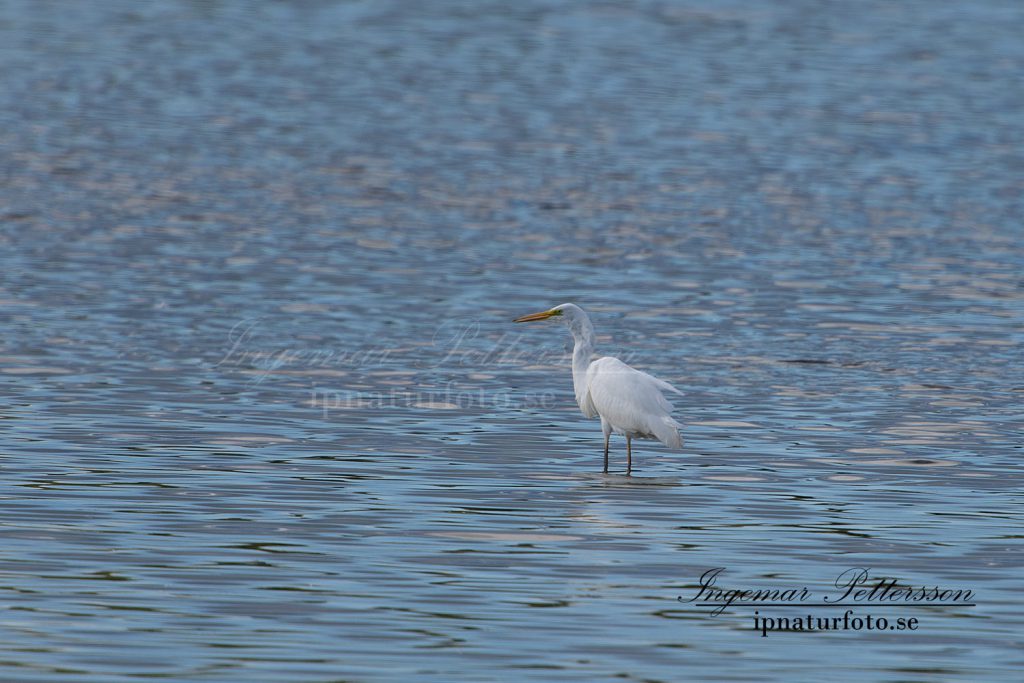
x=267 y=417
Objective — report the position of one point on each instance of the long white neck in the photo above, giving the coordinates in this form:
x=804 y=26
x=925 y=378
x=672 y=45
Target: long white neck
x=583 y=334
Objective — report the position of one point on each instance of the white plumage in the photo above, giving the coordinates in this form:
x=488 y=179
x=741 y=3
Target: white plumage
x=628 y=401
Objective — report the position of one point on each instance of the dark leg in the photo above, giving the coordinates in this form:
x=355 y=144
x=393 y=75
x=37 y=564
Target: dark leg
x=629 y=454
x=606 y=436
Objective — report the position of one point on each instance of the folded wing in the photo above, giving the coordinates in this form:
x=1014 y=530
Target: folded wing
x=631 y=401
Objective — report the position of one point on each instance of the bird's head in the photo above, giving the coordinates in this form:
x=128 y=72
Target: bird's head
x=568 y=312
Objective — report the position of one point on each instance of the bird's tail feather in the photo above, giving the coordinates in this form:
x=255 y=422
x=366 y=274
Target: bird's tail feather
x=665 y=386
x=667 y=431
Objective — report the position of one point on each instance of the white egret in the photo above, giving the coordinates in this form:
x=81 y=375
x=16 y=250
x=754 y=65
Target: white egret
x=628 y=401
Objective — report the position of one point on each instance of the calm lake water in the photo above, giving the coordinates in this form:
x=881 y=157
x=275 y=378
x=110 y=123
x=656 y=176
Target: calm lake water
x=266 y=417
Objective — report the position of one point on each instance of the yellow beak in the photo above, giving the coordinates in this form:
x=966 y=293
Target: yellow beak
x=543 y=315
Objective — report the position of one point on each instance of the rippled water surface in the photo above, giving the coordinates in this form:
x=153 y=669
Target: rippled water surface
x=266 y=416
